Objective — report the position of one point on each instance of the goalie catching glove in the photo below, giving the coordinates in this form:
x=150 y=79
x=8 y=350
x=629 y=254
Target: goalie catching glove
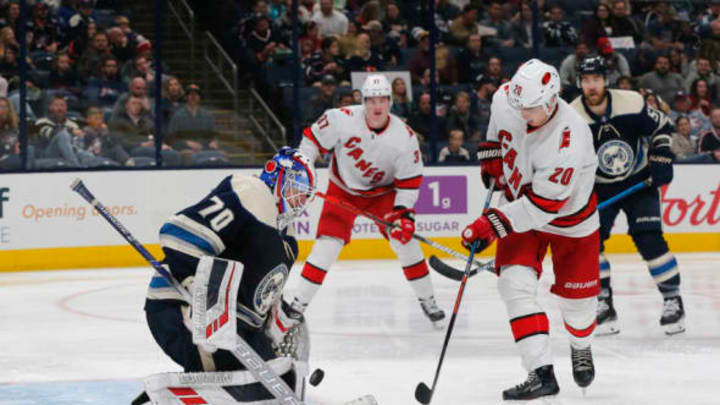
x=490 y=226
x=404 y=221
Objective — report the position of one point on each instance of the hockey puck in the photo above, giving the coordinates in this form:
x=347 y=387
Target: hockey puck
x=316 y=377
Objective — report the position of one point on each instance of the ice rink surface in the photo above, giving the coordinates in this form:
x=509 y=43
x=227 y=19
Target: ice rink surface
x=79 y=337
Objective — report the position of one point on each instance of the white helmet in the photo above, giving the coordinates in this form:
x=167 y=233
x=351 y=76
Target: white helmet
x=376 y=85
x=535 y=83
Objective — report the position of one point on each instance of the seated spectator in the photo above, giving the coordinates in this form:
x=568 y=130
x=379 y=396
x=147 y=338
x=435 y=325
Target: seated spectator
x=107 y=87
x=78 y=46
x=192 y=126
x=345 y=99
x=666 y=32
x=446 y=65
x=464 y=25
x=357 y=97
x=625 y=83
x=420 y=60
x=57 y=135
x=447 y=10
x=494 y=71
x=321 y=102
x=401 y=103
x=710 y=141
x=661 y=80
x=364 y=59
x=484 y=90
x=99 y=141
x=383 y=45
x=120 y=45
x=43 y=31
x=134 y=123
x=330 y=21
x=623 y=24
x=702 y=96
x=9 y=142
x=556 y=31
x=63 y=75
x=679 y=62
x=311 y=33
x=421 y=121
x=599 y=25
x=306 y=8
x=141 y=67
x=78 y=23
x=328 y=61
x=393 y=20
x=454 y=151
x=471 y=60
x=443 y=99
x=262 y=42
x=89 y=63
x=370 y=11
x=683 y=145
x=348 y=42
x=703 y=70
x=616 y=64
x=173 y=97
x=11 y=17
x=307 y=50
x=8 y=41
x=138 y=88
x=683 y=106
x=496 y=20
x=569 y=66
x=460 y=118
x=521 y=27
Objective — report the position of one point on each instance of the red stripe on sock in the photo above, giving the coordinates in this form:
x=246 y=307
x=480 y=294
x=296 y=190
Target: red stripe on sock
x=416 y=271
x=313 y=274
x=529 y=325
x=581 y=333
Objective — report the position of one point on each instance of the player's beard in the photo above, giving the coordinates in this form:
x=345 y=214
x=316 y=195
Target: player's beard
x=595 y=98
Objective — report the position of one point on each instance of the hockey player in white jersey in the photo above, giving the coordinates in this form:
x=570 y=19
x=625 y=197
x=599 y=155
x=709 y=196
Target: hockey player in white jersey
x=376 y=166
x=540 y=151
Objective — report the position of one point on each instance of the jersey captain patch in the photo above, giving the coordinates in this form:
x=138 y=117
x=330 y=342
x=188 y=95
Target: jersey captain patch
x=615 y=157
x=270 y=288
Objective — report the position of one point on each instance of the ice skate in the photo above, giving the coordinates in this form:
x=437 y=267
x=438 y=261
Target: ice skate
x=433 y=312
x=673 y=316
x=582 y=366
x=607 y=323
x=540 y=383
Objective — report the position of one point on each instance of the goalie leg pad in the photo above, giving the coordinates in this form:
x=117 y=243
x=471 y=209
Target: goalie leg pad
x=167 y=326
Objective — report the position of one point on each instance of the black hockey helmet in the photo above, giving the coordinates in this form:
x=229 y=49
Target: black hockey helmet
x=591 y=65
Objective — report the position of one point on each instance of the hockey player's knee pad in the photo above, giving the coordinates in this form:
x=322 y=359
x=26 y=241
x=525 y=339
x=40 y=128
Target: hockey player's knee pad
x=517 y=283
x=325 y=251
x=409 y=253
x=650 y=244
x=580 y=312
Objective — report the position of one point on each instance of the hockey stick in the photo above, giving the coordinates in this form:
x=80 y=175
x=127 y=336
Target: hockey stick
x=389 y=225
x=423 y=393
x=244 y=353
x=457 y=274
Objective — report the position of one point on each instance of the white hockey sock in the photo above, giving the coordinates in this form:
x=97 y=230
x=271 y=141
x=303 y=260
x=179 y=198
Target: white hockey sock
x=517 y=286
x=414 y=267
x=324 y=253
x=579 y=316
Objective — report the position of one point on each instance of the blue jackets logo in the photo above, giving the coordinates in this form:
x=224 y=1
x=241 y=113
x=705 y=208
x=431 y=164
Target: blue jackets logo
x=615 y=157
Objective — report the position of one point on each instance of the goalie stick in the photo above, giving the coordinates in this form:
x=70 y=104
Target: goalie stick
x=389 y=225
x=423 y=393
x=457 y=274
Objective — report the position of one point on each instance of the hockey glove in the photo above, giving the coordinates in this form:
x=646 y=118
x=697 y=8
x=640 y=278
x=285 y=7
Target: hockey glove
x=492 y=225
x=282 y=319
x=489 y=155
x=404 y=221
x=660 y=163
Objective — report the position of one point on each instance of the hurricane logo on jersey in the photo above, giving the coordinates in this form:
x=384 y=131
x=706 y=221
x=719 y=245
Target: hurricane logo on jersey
x=270 y=288
x=615 y=157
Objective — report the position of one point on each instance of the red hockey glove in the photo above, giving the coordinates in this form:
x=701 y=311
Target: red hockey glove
x=492 y=225
x=490 y=156
x=404 y=221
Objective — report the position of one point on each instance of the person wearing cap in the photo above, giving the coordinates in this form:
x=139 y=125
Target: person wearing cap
x=79 y=22
x=192 y=126
x=556 y=31
x=330 y=21
x=322 y=101
x=616 y=64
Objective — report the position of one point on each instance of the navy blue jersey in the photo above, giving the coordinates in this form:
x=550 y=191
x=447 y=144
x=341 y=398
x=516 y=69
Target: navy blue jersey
x=624 y=136
x=236 y=221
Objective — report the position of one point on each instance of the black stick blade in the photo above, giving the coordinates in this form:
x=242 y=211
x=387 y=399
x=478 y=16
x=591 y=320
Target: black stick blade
x=447 y=270
x=423 y=393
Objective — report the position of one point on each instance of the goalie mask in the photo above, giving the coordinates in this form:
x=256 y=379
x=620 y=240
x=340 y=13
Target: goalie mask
x=291 y=178
x=534 y=84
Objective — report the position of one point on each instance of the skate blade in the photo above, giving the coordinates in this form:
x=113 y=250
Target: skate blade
x=607 y=329
x=675 y=328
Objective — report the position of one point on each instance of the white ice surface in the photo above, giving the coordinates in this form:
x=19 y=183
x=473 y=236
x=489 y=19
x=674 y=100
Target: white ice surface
x=79 y=337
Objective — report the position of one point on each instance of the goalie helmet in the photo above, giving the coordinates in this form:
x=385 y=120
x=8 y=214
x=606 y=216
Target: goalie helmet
x=292 y=180
x=376 y=85
x=534 y=84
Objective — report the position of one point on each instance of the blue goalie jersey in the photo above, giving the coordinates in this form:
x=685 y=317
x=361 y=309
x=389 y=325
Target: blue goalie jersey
x=624 y=135
x=236 y=221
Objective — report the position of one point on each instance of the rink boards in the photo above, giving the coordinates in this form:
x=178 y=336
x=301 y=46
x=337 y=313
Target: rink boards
x=44 y=225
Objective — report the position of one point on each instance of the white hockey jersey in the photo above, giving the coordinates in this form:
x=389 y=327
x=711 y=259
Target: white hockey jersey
x=549 y=170
x=366 y=162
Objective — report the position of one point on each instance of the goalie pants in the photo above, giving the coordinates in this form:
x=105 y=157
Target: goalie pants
x=167 y=326
x=575 y=265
